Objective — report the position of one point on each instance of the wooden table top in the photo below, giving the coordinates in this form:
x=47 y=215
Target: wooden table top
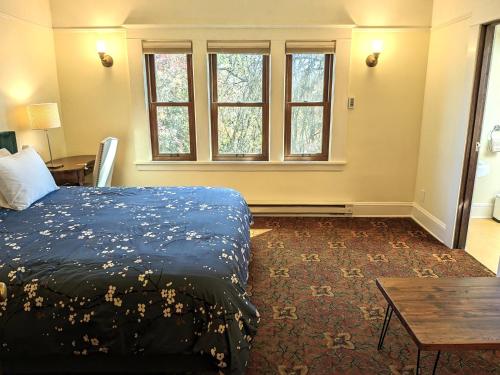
x=74 y=163
x=447 y=313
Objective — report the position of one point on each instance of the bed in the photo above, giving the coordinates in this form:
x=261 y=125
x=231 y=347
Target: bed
x=127 y=280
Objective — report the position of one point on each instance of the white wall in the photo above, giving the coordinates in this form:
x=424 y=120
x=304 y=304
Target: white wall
x=450 y=74
x=487 y=187
x=27 y=70
x=98 y=13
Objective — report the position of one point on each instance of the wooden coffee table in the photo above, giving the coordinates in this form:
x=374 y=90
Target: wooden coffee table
x=444 y=314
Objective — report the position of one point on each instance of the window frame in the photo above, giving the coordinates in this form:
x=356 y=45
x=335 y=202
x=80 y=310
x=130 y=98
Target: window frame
x=327 y=111
x=153 y=104
x=214 y=112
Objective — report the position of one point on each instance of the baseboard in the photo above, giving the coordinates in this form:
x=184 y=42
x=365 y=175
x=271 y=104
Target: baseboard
x=359 y=209
x=382 y=209
x=430 y=223
x=481 y=211
x=424 y=218
x=300 y=209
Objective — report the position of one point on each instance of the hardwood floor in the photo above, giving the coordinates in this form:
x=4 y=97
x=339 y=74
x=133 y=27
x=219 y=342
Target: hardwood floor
x=483 y=242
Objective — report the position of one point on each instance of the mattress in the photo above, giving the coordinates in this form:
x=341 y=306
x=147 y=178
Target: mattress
x=121 y=272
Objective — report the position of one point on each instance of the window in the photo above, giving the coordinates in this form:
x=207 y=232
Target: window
x=169 y=69
x=309 y=75
x=239 y=100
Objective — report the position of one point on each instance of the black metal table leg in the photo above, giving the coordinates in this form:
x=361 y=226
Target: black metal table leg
x=417 y=371
x=385 y=327
x=436 y=363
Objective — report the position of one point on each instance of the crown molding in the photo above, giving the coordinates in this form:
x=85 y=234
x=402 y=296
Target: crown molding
x=11 y=17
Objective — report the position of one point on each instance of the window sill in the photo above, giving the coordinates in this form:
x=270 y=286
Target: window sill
x=242 y=166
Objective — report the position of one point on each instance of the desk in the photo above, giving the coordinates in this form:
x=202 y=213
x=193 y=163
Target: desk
x=74 y=169
x=445 y=314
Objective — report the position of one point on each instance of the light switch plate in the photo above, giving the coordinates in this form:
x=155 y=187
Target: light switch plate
x=422 y=196
x=351 y=102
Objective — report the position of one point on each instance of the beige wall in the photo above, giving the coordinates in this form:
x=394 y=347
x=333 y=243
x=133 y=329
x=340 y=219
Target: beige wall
x=382 y=144
x=444 y=126
x=95 y=100
x=27 y=70
x=35 y=11
x=98 y=13
x=450 y=75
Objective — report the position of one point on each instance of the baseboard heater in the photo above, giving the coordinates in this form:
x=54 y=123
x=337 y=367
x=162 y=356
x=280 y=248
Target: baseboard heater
x=301 y=209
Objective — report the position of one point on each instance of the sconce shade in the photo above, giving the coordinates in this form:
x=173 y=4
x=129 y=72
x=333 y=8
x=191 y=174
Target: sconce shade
x=100 y=46
x=106 y=60
x=44 y=116
x=377 y=46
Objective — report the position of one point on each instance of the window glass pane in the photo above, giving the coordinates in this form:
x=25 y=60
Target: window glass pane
x=239 y=78
x=307 y=128
x=240 y=130
x=171 y=78
x=308 y=75
x=173 y=130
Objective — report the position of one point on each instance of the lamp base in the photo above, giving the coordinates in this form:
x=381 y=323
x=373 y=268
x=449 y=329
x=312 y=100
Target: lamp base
x=54 y=165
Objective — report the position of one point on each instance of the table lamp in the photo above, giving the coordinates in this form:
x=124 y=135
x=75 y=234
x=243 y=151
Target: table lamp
x=45 y=116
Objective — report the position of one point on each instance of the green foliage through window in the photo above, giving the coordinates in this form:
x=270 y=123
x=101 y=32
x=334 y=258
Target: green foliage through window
x=308 y=77
x=173 y=130
x=171 y=78
x=240 y=103
x=170 y=105
x=308 y=105
x=240 y=130
x=239 y=78
x=307 y=127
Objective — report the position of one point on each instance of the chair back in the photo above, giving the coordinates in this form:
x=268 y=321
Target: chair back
x=105 y=162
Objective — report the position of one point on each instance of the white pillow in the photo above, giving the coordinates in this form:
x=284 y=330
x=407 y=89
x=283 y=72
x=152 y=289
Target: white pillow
x=3 y=152
x=24 y=179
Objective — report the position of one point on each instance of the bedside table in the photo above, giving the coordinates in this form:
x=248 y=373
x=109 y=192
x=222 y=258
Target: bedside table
x=74 y=170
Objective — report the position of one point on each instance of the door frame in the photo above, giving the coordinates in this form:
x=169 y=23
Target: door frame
x=481 y=77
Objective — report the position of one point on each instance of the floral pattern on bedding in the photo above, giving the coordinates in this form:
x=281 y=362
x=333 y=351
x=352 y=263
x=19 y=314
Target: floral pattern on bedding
x=129 y=271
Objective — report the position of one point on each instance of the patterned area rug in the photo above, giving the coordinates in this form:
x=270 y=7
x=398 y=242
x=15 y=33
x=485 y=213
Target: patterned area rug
x=313 y=281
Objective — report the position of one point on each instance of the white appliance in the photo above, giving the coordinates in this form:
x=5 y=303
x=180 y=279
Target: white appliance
x=496 y=209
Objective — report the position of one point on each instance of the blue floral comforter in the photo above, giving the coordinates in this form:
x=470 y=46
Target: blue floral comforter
x=128 y=271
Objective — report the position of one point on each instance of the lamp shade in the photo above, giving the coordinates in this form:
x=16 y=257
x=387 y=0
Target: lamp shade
x=44 y=116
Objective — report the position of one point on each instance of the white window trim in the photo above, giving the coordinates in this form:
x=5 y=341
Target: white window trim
x=278 y=36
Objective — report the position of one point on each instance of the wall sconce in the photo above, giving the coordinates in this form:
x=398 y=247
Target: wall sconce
x=106 y=59
x=377 y=48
